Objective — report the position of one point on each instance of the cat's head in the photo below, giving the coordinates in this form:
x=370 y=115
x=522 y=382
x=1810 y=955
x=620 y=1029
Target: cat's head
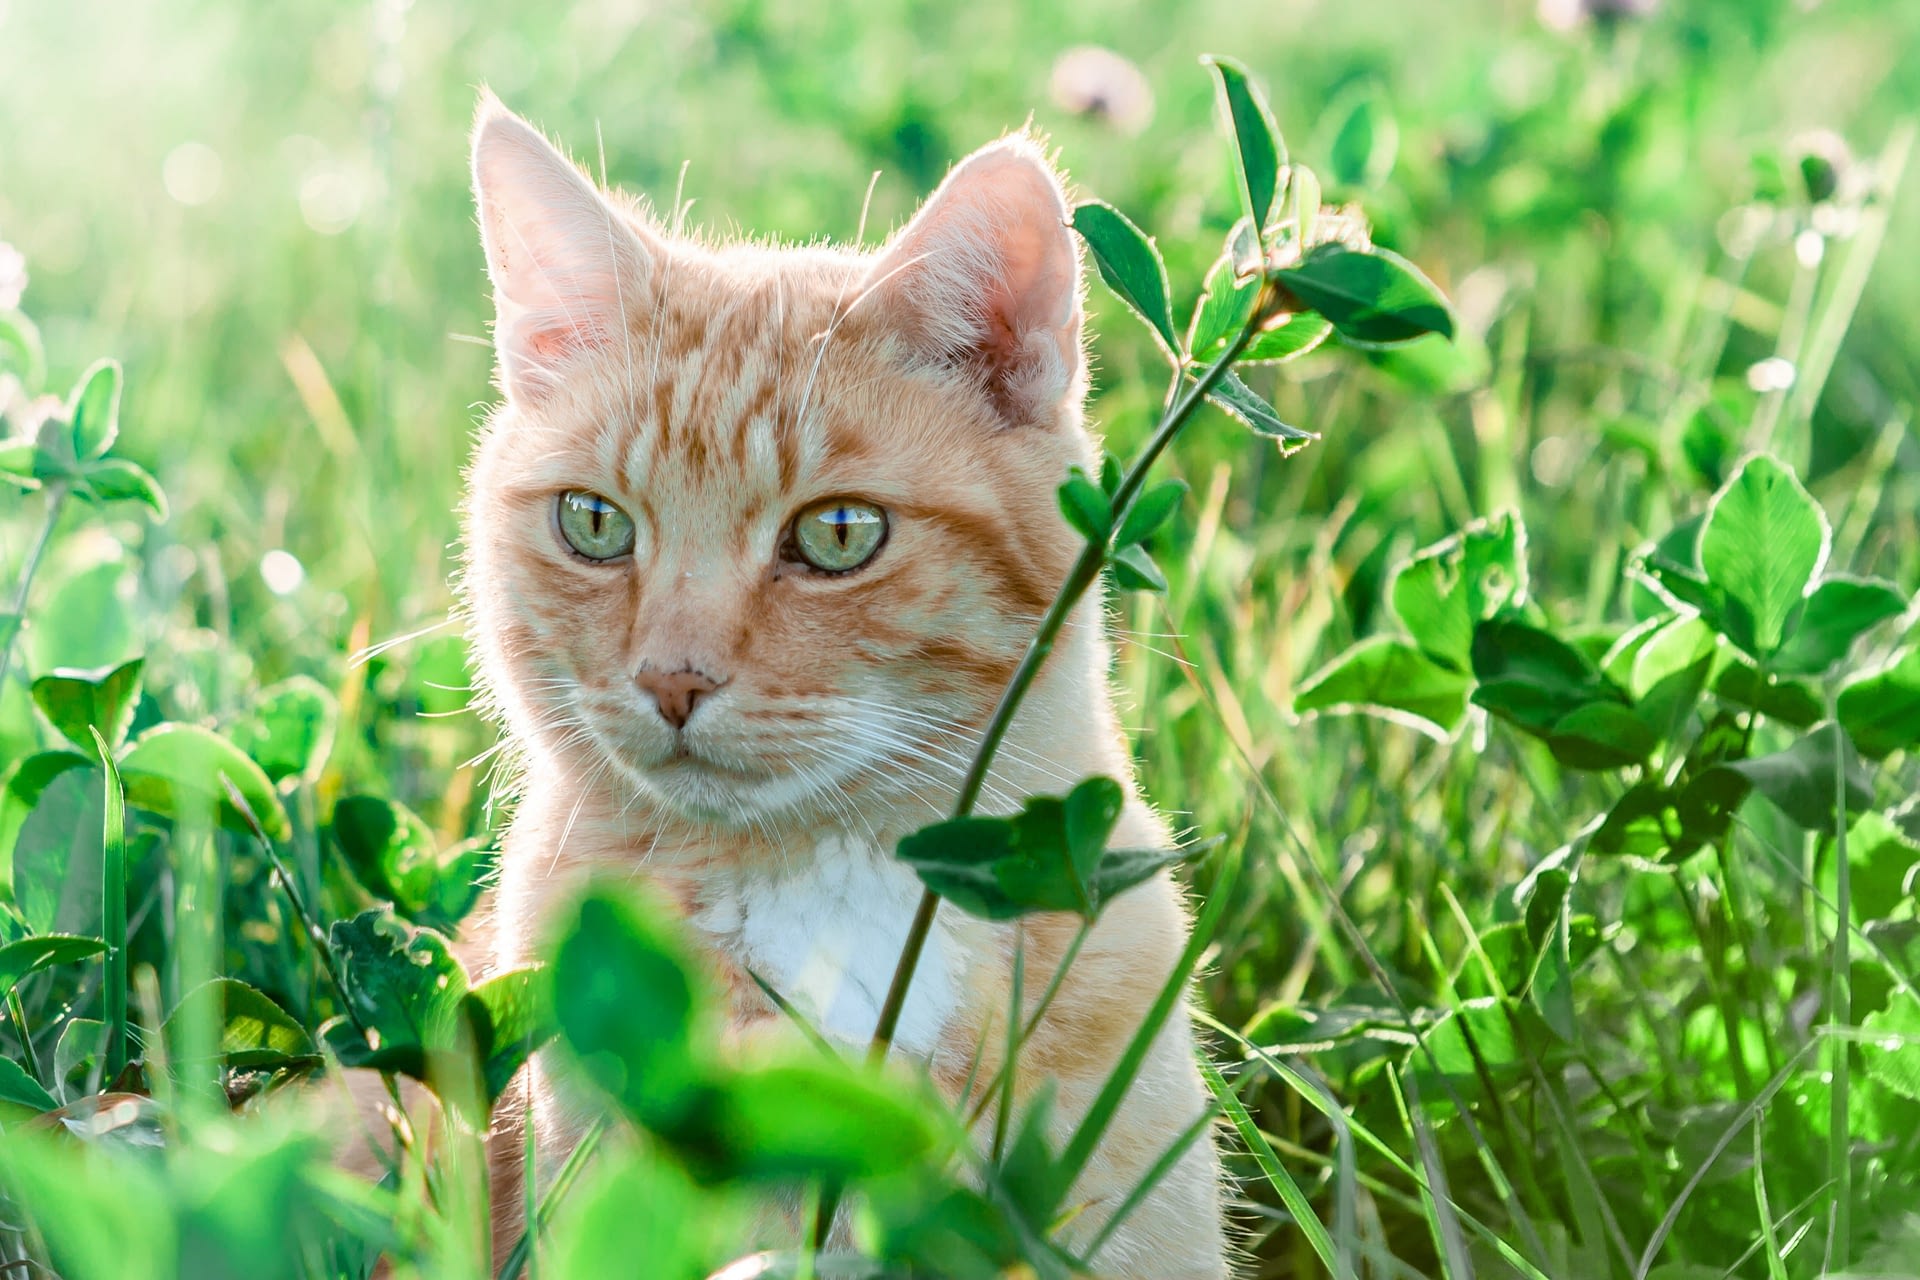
x=759 y=529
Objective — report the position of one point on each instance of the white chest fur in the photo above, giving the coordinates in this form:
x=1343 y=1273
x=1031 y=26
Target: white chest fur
x=826 y=933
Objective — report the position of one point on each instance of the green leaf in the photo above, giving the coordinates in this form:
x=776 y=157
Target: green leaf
x=254 y=1031
x=1882 y=710
x=1518 y=961
x=1225 y=307
x=512 y=1017
x=1282 y=340
x=1882 y=859
x=21 y=350
x=1839 y=612
x=404 y=987
x=21 y=1089
x=440 y=677
x=1892 y=1050
x=813 y=1119
x=1246 y=404
x=1294 y=1029
x=1532 y=678
x=1445 y=590
x=1670 y=671
x=56 y=857
x=1706 y=804
x=1643 y=823
x=1365 y=143
x=1151 y=510
x=30 y=955
x=1121 y=869
x=1371 y=297
x=627 y=1002
x=640 y=1212
x=393 y=853
x=1130 y=265
x=1045 y=858
x=76 y=1058
x=118 y=480
x=20 y=789
x=104 y=699
x=1791 y=702
x=1763 y=541
x=1482 y=1039
x=1800 y=780
x=1134 y=570
x=94 y=410
x=88 y=620
x=20 y=463
x=176 y=769
x=1261 y=153
x=1085 y=506
x=1390 y=678
x=290 y=731
x=1601 y=735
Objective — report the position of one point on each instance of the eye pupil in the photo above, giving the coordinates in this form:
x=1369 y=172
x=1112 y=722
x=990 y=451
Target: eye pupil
x=594 y=527
x=838 y=536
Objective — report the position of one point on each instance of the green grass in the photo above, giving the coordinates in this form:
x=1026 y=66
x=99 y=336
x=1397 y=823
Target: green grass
x=1613 y=210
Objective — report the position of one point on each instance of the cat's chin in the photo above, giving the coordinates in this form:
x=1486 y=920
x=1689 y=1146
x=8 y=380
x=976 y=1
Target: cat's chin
x=704 y=792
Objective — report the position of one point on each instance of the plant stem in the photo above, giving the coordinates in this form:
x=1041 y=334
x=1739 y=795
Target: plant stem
x=18 y=1014
x=113 y=912
x=322 y=946
x=576 y=1161
x=1033 y=1021
x=56 y=502
x=1085 y=572
x=1840 y=1015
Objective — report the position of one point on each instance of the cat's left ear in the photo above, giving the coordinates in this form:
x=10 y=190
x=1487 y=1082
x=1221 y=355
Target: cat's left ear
x=566 y=263
x=986 y=278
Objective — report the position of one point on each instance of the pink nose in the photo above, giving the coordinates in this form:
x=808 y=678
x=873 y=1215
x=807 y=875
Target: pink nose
x=675 y=692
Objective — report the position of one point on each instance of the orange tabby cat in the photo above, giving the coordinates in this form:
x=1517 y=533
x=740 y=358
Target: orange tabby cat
x=752 y=546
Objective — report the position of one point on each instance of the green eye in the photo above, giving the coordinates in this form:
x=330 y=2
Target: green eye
x=839 y=534
x=595 y=527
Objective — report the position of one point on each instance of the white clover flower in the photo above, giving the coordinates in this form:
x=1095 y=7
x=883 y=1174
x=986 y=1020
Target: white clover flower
x=1089 y=80
x=13 y=276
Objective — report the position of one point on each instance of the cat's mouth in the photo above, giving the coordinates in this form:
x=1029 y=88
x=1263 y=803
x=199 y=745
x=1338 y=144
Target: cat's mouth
x=684 y=760
x=709 y=791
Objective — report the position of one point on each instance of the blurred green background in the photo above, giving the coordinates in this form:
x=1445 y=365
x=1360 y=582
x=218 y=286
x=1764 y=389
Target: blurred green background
x=263 y=211
x=215 y=190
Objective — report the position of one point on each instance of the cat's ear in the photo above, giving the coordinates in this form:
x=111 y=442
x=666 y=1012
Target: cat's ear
x=986 y=278
x=566 y=263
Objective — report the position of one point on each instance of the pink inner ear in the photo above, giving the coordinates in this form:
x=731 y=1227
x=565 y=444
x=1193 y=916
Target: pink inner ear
x=561 y=258
x=986 y=277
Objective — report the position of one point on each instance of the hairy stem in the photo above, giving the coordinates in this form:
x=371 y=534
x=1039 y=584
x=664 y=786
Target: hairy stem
x=1085 y=572
x=56 y=503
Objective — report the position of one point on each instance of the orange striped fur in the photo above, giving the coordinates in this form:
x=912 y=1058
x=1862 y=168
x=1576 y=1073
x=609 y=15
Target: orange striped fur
x=711 y=392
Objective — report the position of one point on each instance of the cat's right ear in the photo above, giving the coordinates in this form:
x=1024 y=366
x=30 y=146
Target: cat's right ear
x=567 y=265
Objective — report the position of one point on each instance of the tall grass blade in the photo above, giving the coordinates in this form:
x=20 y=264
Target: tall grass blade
x=1337 y=1259
x=113 y=914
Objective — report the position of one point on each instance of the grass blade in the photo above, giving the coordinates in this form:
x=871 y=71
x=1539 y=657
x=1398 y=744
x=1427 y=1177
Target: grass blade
x=1455 y=1263
x=113 y=914
x=1336 y=1259
x=1742 y=1118
x=1158 y=1171
x=562 y=1182
x=1086 y=1137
